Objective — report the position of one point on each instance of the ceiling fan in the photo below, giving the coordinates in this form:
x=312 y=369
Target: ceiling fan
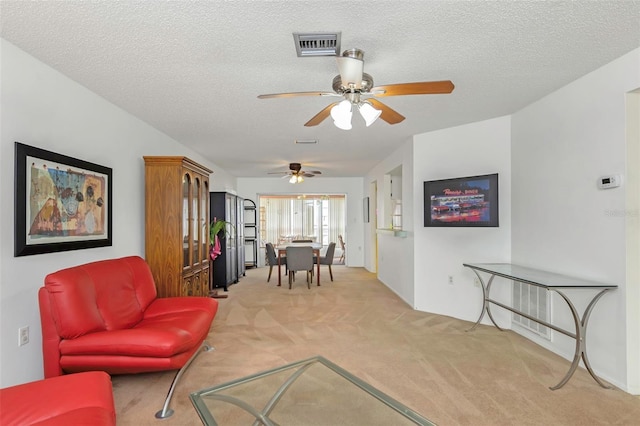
x=358 y=91
x=296 y=174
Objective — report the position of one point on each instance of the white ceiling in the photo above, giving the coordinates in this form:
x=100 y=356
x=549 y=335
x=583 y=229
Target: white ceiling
x=193 y=69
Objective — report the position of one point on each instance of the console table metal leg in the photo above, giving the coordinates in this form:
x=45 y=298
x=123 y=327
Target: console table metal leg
x=485 y=301
x=581 y=342
x=489 y=306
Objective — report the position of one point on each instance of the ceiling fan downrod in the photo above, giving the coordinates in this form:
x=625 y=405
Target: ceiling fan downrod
x=354 y=53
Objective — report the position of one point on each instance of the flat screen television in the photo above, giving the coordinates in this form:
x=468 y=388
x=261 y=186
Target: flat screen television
x=462 y=202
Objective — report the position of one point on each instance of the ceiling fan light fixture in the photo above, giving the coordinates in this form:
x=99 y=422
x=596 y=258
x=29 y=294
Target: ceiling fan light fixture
x=368 y=112
x=351 y=70
x=343 y=125
x=341 y=115
x=296 y=179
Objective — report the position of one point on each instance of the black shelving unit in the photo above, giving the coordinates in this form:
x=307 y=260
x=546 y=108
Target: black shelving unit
x=251 y=233
x=226 y=267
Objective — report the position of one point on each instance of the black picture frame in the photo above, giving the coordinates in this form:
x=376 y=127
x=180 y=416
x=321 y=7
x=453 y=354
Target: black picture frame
x=470 y=201
x=365 y=209
x=61 y=203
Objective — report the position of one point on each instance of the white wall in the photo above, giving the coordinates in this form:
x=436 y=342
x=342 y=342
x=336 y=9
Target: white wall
x=43 y=108
x=395 y=255
x=220 y=180
x=417 y=266
x=561 y=221
x=352 y=187
x=632 y=218
x=469 y=150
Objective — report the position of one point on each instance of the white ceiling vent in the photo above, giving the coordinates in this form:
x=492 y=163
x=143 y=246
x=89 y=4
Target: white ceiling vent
x=317 y=44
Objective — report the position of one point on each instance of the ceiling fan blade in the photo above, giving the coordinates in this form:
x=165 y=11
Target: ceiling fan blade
x=319 y=117
x=305 y=174
x=351 y=70
x=296 y=94
x=419 y=88
x=278 y=173
x=389 y=115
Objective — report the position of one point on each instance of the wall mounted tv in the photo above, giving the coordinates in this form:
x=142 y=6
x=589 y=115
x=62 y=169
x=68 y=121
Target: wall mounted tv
x=462 y=202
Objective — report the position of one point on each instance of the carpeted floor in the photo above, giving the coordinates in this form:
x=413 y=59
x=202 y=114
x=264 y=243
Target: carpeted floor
x=426 y=361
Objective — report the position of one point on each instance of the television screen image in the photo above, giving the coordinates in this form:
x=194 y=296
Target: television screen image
x=462 y=202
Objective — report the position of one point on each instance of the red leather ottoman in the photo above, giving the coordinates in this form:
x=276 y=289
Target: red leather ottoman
x=73 y=399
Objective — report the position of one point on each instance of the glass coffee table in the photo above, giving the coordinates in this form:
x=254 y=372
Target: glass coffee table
x=313 y=391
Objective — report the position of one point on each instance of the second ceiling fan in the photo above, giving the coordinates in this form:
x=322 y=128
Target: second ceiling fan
x=296 y=174
x=358 y=91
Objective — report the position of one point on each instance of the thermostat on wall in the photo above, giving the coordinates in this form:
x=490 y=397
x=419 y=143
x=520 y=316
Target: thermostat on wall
x=612 y=181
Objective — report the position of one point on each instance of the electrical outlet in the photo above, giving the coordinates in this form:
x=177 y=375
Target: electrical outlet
x=450 y=279
x=23 y=335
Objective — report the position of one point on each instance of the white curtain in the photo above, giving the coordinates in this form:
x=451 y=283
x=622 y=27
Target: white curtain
x=336 y=218
x=317 y=217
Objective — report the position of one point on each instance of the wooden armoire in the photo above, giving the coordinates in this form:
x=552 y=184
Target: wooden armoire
x=177 y=225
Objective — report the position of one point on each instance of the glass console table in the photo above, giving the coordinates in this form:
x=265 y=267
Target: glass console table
x=552 y=282
x=313 y=391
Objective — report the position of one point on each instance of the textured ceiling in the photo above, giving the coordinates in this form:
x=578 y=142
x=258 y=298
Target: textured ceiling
x=193 y=69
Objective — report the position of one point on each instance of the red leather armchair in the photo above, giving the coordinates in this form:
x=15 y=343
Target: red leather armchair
x=74 y=399
x=106 y=316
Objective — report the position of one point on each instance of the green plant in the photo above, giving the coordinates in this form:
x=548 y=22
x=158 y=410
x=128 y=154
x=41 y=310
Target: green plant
x=219 y=226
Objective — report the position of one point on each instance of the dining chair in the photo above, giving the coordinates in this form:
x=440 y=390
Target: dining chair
x=299 y=259
x=327 y=259
x=272 y=259
x=341 y=241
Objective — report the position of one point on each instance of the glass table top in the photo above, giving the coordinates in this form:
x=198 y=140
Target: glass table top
x=535 y=276
x=314 y=391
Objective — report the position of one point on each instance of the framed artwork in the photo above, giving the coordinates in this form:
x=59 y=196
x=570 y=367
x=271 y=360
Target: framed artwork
x=365 y=209
x=462 y=202
x=61 y=203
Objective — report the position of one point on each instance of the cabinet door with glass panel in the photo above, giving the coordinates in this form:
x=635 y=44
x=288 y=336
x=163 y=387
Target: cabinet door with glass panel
x=176 y=228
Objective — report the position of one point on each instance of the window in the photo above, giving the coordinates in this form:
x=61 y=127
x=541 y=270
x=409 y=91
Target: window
x=320 y=218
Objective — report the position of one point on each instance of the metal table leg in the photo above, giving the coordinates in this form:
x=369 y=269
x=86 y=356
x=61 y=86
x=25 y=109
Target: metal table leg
x=485 y=302
x=581 y=340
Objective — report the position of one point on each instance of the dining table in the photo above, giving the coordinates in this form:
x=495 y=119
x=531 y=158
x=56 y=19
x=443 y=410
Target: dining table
x=282 y=251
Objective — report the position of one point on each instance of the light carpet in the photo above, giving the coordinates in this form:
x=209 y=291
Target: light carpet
x=428 y=362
